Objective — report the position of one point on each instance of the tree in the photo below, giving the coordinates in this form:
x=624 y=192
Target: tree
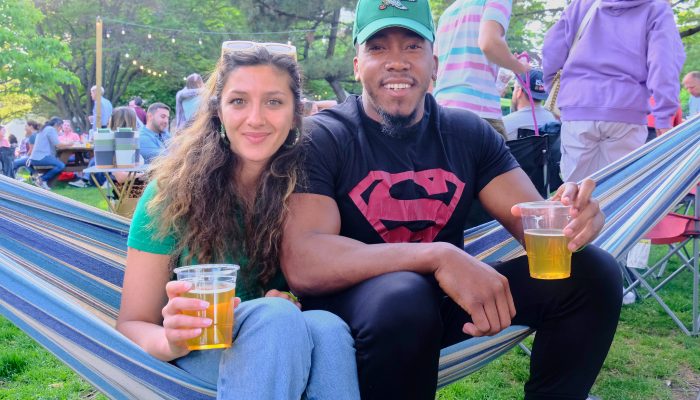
x=30 y=64
x=324 y=41
x=161 y=44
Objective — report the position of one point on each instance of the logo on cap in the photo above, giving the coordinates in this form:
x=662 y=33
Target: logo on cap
x=393 y=3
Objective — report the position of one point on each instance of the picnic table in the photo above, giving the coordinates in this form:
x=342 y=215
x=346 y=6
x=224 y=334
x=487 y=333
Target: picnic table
x=82 y=153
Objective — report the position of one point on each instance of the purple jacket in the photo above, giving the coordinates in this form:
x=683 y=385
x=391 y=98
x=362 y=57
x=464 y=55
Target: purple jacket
x=629 y=51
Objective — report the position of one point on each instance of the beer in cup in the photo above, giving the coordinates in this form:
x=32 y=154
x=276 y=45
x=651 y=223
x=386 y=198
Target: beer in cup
x=545 y=243
x=215 y=284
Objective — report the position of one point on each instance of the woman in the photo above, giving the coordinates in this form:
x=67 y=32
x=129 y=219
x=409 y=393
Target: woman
x=219 y=196
x=187 y=100
x=44 y=153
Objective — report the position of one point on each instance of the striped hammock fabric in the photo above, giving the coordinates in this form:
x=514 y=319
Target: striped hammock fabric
x=61 y=269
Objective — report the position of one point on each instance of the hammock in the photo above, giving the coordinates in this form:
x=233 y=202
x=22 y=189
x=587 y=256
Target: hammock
x=61 y=269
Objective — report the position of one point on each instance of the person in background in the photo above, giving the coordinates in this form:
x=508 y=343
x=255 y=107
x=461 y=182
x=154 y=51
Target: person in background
x=521 y=117
x=44 y=153
x=652 y=132
x=122 y=117
x=31 y=129
x=691 y=81
x=105 y=109
x=7 y=153
x=136 y=103
x=310 y=107
x=68 y=135
x=606 y=82
x=154 y=136
x=230 y=206
x=470 y=45
x=187 y=100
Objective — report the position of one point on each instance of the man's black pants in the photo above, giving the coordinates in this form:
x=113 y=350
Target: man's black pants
x=401 y=320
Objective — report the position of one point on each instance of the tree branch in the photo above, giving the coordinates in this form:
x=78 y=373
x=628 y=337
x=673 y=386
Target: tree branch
x=690 y=32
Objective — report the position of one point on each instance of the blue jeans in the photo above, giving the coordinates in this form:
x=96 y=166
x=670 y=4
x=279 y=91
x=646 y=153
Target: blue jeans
x=50 y=161
x=280 y=352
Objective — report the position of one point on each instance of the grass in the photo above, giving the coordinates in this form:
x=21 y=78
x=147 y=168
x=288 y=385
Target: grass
x=650 y=358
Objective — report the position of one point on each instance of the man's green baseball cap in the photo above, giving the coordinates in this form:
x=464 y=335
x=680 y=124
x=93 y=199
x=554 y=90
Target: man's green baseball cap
x=371 y=16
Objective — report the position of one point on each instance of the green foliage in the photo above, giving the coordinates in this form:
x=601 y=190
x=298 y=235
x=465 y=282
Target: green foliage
x=30 y=62
x=14 y=105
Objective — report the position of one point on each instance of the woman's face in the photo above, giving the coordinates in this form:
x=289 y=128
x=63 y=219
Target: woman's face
x=257 y=110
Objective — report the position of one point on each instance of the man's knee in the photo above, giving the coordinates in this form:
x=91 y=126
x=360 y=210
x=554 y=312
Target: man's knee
x=599 y=270
x=398 y=303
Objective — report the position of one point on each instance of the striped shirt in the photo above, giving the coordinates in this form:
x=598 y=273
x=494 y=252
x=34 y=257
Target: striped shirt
x=465 y=78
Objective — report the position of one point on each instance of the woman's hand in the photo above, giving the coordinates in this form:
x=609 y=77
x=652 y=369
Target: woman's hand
x=180 y=327
x=285 y=295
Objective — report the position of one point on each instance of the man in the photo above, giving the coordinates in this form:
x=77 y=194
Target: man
x=470 y=46
x=105 y=108
x=136 y=103
x=154 y=136
x=521 y=117
x=691 y=81
x=608 y=78
x=375 y=231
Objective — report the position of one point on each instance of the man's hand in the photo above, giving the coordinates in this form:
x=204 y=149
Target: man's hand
x=586 y=218
x=476 y=287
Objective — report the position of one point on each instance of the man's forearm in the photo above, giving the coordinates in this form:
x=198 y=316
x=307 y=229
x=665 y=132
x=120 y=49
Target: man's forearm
x=324 y=263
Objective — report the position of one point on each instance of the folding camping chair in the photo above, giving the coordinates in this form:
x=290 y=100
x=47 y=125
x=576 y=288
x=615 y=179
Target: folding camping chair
x=676 y=231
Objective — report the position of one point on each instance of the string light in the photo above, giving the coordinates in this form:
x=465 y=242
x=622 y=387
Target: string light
x=109 y=33
x=200 y=41
x=126 y=55
x=149 y=35
x=172 y=39
x=134 y=62
x=123 y=31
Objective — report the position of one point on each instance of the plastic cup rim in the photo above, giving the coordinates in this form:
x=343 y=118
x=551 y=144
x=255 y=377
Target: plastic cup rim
x=225 y=269
x=542 y=204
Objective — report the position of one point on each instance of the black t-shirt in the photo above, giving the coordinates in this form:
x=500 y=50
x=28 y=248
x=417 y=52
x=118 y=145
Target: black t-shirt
x=416 y=188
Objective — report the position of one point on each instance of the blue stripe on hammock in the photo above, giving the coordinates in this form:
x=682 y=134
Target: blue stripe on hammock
x=31 y=246
x=120 y=353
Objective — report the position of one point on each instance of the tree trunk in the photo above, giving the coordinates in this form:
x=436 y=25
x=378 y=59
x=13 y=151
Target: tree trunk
x=337 y=89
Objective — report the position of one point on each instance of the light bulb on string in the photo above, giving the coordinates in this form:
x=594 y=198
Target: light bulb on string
x=149 y=35
x=172 y=39
x=148 y=70
x=109 y=33
x=200 y=41
x=134 y=62
x=165 y=72
x=126 y=55
x=123 y=31
x=141 y=67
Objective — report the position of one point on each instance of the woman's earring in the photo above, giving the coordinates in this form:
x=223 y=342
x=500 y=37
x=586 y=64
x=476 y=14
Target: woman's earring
x=224 y=138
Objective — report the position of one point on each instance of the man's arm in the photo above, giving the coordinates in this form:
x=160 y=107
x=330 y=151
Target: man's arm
x=493 y=44
x=317 y=260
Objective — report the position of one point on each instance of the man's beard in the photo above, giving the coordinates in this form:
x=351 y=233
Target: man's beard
x=394 y=126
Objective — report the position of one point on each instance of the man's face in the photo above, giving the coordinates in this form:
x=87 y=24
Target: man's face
x=692 y=85
x=395 y=67
x=93 y=94
x=158 y=120
x=132 y=104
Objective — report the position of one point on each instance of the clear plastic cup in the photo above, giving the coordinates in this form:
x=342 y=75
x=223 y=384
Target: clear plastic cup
x=547 y=252
x=215 y=284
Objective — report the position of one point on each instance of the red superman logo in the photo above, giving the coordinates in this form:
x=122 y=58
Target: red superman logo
x=391 y=217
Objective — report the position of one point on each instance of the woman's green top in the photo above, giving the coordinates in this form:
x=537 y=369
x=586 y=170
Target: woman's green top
x=142 y=236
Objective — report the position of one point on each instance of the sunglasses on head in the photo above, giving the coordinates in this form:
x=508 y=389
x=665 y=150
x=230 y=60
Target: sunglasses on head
x=244 y=45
